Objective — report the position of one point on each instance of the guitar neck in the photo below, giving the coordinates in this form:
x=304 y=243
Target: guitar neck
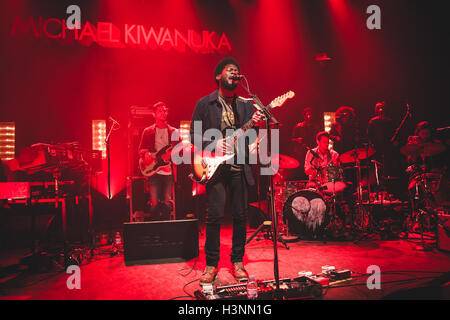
x=248 y=125
x=277 y=102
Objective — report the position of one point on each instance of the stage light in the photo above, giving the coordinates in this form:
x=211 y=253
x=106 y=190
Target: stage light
x=98 y=136
x=328 y=119
x=185 y=127
x=7 y=140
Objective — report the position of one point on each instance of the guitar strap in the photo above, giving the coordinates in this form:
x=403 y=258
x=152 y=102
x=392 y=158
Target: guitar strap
x=237 y=124
x=168 y=135
x=236 y=113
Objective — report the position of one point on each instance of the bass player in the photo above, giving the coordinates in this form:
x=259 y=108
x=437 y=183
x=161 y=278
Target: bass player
x=155 y=138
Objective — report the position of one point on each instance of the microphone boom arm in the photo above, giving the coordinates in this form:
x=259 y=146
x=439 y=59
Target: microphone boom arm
x=261 y=106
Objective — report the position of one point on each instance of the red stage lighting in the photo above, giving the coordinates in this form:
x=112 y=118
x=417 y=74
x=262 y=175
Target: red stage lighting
x=7 y=140
x=99 y=136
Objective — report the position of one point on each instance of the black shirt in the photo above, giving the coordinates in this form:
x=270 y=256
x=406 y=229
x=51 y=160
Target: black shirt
x=380 y=132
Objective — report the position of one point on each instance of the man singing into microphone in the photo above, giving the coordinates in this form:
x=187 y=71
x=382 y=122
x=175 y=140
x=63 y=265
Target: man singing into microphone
x=318 y=159
x=222 y=110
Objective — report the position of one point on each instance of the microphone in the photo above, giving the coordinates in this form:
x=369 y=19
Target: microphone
x=113 y=121
x=237 y=77
x=315 y=155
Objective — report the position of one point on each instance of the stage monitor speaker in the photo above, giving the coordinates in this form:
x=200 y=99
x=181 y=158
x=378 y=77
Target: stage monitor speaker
x=158 y=242
x=443 y=232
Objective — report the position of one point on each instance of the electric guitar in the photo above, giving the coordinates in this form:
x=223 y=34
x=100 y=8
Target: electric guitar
x=161 y=159
x=207 y=165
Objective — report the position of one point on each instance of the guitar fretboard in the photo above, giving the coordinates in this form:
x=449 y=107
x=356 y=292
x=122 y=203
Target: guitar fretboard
x=248 y=125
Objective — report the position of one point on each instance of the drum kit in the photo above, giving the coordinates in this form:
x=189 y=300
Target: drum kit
x=343 y=205
x=328 y=210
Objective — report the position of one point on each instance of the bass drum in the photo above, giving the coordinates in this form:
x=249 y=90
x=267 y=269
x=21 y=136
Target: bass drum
x=306 y=214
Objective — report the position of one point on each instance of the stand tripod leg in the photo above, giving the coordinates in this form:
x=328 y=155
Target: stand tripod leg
x=91 y=235
x=264 y=225
x=283 y=241
x=365 y=232
x=423 y=247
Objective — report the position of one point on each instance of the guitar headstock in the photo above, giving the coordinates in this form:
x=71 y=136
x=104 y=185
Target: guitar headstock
x=279 y=101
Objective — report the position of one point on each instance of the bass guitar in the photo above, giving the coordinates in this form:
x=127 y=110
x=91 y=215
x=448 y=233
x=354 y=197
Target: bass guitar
x=161 y=159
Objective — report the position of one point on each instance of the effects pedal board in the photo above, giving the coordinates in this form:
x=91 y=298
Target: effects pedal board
x=335 y=275
x=297 y=288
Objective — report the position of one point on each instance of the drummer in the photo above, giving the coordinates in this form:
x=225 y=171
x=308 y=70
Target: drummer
x=317 y=160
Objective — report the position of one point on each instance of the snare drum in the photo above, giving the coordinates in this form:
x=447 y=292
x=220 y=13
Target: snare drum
x=335 y=179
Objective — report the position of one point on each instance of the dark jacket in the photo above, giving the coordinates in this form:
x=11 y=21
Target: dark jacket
x=209 y=111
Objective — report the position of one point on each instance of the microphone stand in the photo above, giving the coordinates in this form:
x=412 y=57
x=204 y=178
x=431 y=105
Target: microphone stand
x=408 y=113
x=271 y=194
x=108 y=155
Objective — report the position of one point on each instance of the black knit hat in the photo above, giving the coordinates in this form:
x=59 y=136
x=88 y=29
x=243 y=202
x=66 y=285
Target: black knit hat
x=222 y=64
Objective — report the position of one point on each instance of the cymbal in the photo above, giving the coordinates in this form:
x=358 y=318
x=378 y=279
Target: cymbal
x=284 y=162
x=356 y=154
x=428 y=149
x=411 y=149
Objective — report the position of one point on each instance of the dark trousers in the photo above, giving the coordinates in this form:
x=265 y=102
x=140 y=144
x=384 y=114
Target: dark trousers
x=216 y=197
x=160 y=187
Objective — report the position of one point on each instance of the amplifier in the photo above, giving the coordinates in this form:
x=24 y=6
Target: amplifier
x=35 y=190
x=138 y=195
x=443 y=232
x=160 y=241
x=297 y=288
